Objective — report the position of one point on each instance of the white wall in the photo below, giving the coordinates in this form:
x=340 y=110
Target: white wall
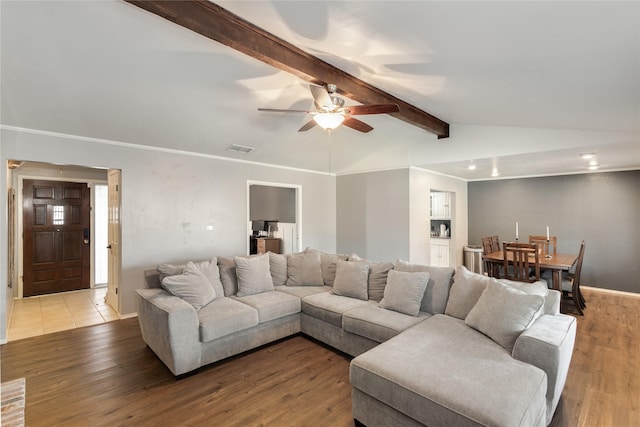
x=168 y=198
x=384 y=215
x=422 y=182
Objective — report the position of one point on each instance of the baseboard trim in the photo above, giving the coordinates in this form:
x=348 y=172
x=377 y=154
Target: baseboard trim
x=611 y=291
x=128 y=316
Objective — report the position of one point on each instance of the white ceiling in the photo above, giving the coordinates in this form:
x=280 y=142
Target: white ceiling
x=526 y=86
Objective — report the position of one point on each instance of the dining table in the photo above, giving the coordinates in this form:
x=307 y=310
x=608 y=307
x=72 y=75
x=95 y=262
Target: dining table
x=557 y=263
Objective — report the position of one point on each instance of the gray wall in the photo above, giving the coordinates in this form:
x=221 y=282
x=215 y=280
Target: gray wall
x=272 y=203
x=372 y=216
x=167 y=200
x=384 y=215
x=601 y=208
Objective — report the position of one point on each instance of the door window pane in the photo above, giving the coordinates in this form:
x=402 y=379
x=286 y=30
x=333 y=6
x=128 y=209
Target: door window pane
x=58 y=215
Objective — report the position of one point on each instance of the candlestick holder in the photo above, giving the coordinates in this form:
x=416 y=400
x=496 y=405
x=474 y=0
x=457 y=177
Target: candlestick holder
x=548 y=255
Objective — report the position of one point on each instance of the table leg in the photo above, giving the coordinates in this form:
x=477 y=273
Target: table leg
x=557 y=280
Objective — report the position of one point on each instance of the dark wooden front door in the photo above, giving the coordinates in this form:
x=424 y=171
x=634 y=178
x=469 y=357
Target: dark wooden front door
x=56 y=226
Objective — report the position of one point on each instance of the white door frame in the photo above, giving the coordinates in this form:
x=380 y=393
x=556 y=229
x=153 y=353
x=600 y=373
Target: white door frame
x=114 y=295
x=298 y=189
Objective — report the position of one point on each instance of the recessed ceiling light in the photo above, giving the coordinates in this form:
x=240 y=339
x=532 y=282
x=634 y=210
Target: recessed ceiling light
x=588 y=156
x=593 y=162
x=494 y=172
x=471 y=167
x=593 y=167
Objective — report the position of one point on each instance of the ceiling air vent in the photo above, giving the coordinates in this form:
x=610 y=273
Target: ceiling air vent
x=240 y=148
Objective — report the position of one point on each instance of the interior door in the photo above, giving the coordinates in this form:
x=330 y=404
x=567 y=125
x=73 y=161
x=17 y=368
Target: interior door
x=56 y=226
x=114 y=182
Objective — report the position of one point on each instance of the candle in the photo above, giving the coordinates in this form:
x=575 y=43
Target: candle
x=547 y=232
x=516 y=230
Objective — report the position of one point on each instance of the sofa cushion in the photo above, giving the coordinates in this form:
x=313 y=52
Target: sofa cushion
x=351 y=279
x=376 y=323
x=404 y=291
x=378 y=275
x=228 y=277
x=440 y=280
x=503 y=312
x=278 y=268
x=192 y=286
x=465 y=292
x=224 y=316
x=329 y=307
x=253 y=275
x=303 y=291
x=303 y=269
x=272 y=304
x=442 y=372
x=209 y=268
x=328 y=263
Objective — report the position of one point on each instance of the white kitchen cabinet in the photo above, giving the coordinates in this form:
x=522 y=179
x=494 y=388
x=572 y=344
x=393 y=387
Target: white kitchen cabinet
x=440 y=205
x=440 y=252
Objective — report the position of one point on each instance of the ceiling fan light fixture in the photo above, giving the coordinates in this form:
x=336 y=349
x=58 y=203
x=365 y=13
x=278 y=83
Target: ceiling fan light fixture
x=328 y=121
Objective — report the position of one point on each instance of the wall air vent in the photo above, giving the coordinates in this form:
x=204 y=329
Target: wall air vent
x=240 y=148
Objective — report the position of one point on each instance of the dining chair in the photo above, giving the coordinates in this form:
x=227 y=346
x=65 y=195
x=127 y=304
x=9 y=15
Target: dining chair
x=488 y=249
x=545 y=249
x=486 y=245
x=495 y=244
x=521 y=262
x=571 y=284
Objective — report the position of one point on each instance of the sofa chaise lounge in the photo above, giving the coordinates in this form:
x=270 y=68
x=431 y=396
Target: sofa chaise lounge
x=430 y=347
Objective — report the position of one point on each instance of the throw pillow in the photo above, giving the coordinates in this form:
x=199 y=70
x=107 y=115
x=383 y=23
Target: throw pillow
x=351 y=279
x=278 y=268
x=253 y=275
x=404 y=291
x=465 y=292
x=212 y=273
x=166 y=270
x=228 y=277
x=328 y=264
x=378 y=273
x=503 y=313
x=192 y=286
x=304 y=269
x=440 y=280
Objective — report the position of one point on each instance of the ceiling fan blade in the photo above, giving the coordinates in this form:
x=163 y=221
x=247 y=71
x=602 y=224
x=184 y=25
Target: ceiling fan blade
x=277 y=110
x=310 y=124
x=357 y=124
x=372 y=109
x=321 y=98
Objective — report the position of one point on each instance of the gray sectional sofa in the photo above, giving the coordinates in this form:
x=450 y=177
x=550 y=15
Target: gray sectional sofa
x=430 y=347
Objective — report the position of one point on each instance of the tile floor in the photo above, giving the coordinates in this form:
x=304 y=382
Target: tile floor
x=52 y=313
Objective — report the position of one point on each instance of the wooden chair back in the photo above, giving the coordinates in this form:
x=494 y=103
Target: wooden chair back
x=486 y=245
x=545 y=249
x=495 y=244
x=574 y=283
x=519 y=260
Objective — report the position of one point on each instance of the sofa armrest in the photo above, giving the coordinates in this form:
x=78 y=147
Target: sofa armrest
x=170 y=328
x=548 y=344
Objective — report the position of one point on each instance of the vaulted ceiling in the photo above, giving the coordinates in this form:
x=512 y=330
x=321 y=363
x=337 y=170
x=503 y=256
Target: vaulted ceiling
x=525 y=86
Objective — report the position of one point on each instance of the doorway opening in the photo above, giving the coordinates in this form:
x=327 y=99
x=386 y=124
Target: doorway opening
x=274 y=220
x=65 y=183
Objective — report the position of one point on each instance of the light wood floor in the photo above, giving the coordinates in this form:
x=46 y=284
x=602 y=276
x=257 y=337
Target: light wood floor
x=104 y=375
x=45 y=314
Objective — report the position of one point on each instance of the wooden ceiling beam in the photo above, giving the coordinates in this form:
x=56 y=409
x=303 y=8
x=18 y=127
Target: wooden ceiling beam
x=217 y=23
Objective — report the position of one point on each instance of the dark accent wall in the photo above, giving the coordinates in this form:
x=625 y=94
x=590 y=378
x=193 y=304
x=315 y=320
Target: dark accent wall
x=601 y=208
x=272 y=203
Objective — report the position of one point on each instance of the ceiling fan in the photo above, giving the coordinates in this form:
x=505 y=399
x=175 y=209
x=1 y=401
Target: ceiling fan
x=331 y=111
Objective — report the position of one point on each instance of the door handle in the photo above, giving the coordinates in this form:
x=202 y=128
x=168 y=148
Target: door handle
x=109 y=247
x=85 y=232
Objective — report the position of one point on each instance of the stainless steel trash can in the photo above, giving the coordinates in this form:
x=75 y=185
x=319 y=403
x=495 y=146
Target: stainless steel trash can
x=473 y=258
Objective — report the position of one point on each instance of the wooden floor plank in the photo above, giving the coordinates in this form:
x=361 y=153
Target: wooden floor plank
x=104 y=375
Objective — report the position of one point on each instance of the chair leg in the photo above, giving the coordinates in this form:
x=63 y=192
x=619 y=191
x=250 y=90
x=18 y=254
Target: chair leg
x=575 y=293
